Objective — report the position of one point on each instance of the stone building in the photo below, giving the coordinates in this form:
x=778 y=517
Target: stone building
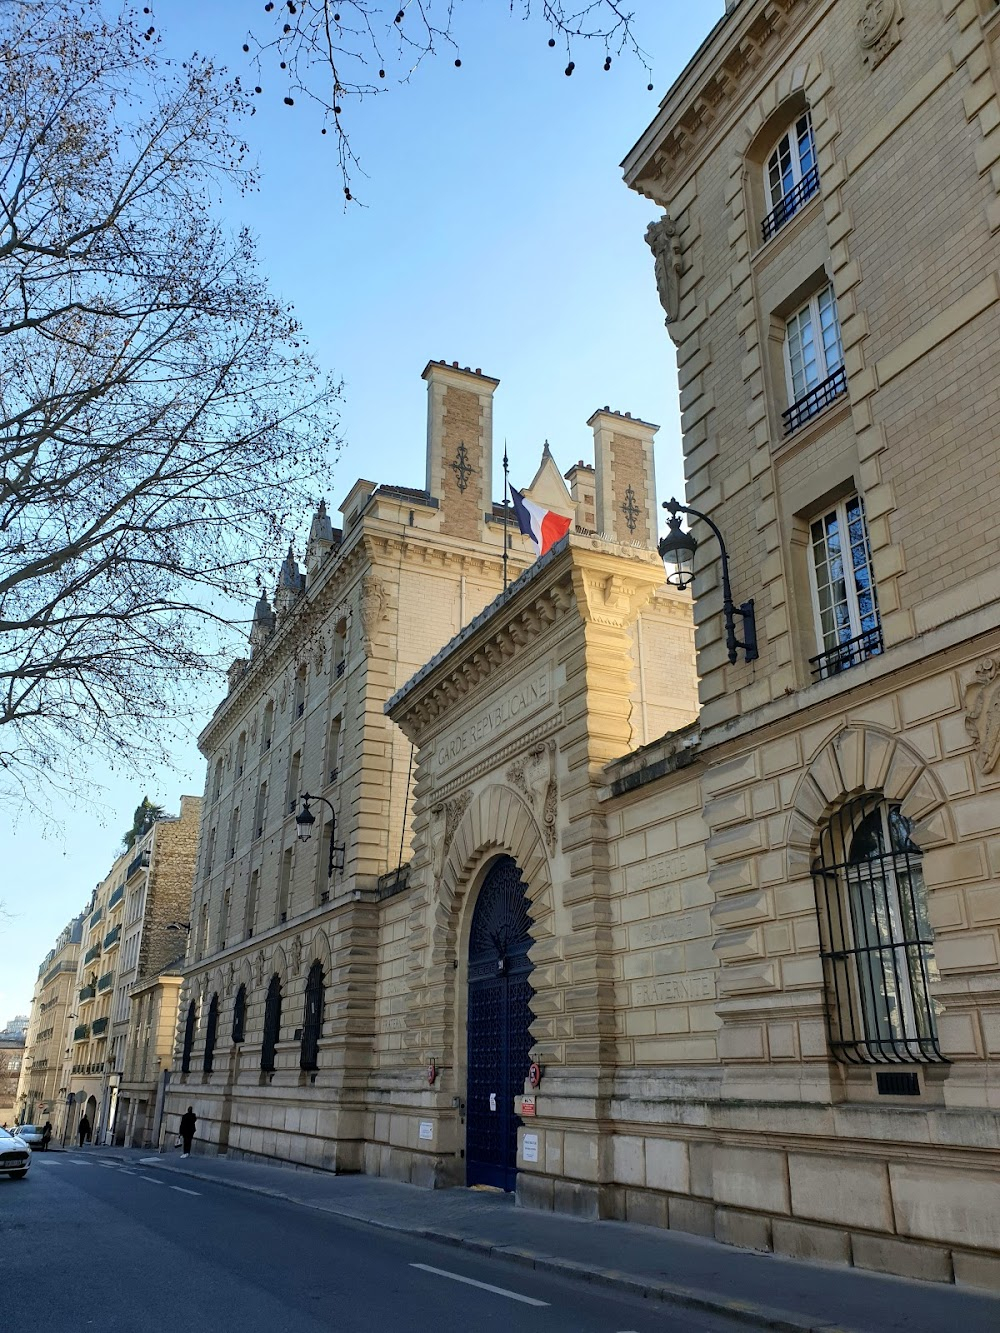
x=137 y=919
x=293 y=1036
x=807 y=1010
x=148 y=1056
x=42 y=1093
x=12 y=1046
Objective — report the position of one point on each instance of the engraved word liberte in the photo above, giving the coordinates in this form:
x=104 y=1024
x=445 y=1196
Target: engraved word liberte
x=526 y=697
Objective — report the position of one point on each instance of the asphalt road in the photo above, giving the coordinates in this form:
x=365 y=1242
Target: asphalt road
x=89 y=1244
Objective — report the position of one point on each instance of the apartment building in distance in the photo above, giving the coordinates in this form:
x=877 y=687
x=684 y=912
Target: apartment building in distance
x=294 y=1038
x=829 y=849
x=41 y=1092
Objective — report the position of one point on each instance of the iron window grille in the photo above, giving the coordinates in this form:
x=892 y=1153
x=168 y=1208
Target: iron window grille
x=341 y=667
x=845 y=601
x=211 y=1029
x=790 y=203
x=813 y=402
x=312 y=1022
x=791 y=175
x=240 y=1015
x=876 y=943
x=272 y=1024
x=189 y=1023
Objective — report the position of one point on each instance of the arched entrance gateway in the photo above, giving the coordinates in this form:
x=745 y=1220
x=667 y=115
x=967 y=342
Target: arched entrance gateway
x=499 y=1017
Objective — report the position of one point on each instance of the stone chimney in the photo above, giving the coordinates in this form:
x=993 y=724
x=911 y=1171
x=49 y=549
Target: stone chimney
x=460 y=446
x=583 y=488
x=625 y=476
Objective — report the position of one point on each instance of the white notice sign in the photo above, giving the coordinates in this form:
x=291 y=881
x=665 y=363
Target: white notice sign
x=426 y=1129
x=529 y=1149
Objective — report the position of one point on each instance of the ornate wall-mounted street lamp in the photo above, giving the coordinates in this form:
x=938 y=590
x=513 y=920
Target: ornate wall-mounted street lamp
x=306 y=819
x=677 y=550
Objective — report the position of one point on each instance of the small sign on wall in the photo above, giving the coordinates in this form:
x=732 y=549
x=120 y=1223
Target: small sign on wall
x=426 y=1129
x=526 y=1106
x=529 y=1148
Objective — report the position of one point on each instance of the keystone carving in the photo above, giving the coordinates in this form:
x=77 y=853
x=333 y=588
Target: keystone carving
x=373 y=604
x=534 y=776
x=444 y=821
x=982 y=712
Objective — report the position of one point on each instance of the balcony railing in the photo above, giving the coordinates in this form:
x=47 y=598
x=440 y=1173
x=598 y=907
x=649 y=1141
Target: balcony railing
x=139 y=863
x=95 y=918
x=116 y=897
x=850 y=653
x=88 y=993
x=92 y=953
x=341 y=667
x=111 y=937
x=81 y=1032
x=99 y=1027
x=815 y=400
x=790 y=204
x=104 y=983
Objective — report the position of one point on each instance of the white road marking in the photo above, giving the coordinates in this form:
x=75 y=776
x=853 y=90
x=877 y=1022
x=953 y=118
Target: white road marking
x=151 y=1180
x=126 y=1172
x=483 y=1286
x=181 y=1190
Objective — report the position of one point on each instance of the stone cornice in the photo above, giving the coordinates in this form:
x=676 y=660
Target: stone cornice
x=714 y=80
x=604 y=583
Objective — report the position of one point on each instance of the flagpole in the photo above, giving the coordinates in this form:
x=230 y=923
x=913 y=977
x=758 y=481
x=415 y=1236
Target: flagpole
x=506 y=501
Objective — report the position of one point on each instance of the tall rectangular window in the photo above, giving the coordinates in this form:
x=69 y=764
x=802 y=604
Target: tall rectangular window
x=333 y=750
x=294 y=776
x=814 y=359
x=285 y=884
x=845 y=603
x=791 y=176
x=253 y=892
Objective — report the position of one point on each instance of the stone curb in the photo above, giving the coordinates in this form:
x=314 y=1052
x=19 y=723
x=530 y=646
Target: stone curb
x=747 y=1312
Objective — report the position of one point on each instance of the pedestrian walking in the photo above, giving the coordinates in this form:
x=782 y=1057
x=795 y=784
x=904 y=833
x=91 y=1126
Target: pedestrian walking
x=46 y=1135
x=189 y=1122
x=85 y=1129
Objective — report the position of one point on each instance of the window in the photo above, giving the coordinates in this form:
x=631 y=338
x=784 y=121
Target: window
x=814 y=359
x=234 y=833
x=312 y=1019
x=189 y=1023
x=260 y=811
x=300 y=691
x=340 y=647
x=285 y=884
x=791 y=176
x=333 y=749
x=272 y=1024
x=209 y=854
x=294 y=776
x=241 y=754
x=845 y=604
x=227 y=902
x=875 y=938
x=267 y=727
x=252 y=894
x=217 y=784
x=240 y=1015
x=211 y=1029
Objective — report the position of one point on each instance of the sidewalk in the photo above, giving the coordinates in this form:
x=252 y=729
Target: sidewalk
x=761 y=1289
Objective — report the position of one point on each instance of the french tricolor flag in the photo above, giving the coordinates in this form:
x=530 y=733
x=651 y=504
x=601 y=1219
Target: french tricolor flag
x=543 y=526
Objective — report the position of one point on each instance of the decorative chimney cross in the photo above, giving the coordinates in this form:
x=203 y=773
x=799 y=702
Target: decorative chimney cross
x=462 y=468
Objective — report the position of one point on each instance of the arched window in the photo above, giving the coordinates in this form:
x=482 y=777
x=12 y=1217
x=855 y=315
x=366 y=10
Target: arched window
x=192 y=1016
x=875 y=937
x=312 y=1019
x=272 y=1024
x=790 y=174
x=240 y=1014
x=211 y=1029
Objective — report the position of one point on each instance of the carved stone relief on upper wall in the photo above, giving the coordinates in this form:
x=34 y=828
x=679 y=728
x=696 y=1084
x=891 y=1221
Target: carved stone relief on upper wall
x=878 y=30
x=982 y=712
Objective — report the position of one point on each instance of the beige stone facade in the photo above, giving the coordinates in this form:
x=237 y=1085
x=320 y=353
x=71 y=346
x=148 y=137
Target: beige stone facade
x=408 y=570
x=148 y=1057
x=42 y=1093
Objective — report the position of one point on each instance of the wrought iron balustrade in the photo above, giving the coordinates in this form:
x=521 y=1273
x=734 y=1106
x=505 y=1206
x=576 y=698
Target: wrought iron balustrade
x=116 y=897
x=111 y=938
x=791 y=203
x=140 y=862
x=99 y=1026
x=88 y=993
x=850 y=653
x=95 y=918
x=813 y=402
x=93 y=952
x=81 y=1032
x=104 y=983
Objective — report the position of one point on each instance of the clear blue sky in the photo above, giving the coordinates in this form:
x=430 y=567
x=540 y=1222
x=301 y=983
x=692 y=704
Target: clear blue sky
x=497 y=232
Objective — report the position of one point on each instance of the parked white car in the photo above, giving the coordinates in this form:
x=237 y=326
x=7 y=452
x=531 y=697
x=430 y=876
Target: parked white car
x=29 y=1134
x=15 y=1156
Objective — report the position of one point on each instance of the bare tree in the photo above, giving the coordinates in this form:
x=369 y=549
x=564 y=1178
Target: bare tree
x=338 y=52
x=160 y=418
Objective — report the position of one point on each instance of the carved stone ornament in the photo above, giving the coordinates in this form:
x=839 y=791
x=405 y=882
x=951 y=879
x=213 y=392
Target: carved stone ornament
x=260 y=967
x=373 y=603
x=230 y=977
x=534 y=776
x=878 y=30
x=236 y=672
x=295 y=955
x=661 y=237
x=982 y=712
x=445 y=819
x=283 y=696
